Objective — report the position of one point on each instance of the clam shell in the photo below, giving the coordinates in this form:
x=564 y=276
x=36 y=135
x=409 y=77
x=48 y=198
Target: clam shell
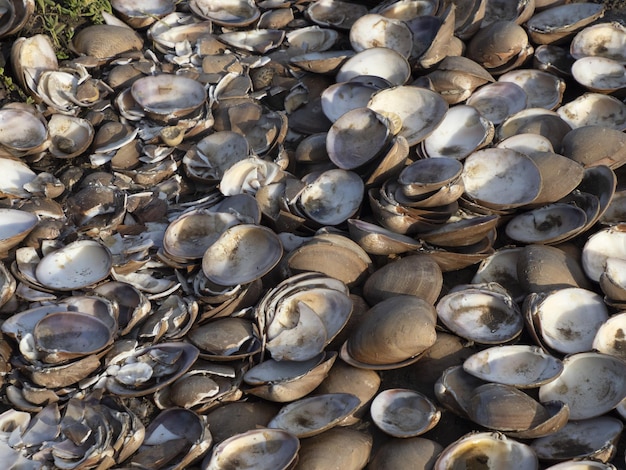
x=15 y=225
x=259 y=449
x=420 y=110
x=542 y=268
x=499 y=46
x=104 y=41
x=21 y=130
x=606 y=243
x=394 y=331
x=548 y=224
x=594 y=109
x=497 y=101
x=543 y=89
x=494 y=448
x=333 y=197
x=14 y=176
x=230 y=13
x=335 y=13
x=593 y=438
x=214 y=154
x=312 y=39
x=377 y=240
x=342 y=97
x=63 y=336
x=480 y=315
x=580 y=313
x=544 y=122
x=591 y=384
x=501 y=178
x=595 y=145
x=520 y=366
x=505 y=408
x=285 y=381
x=180 y=357
x=190 y=235
x=374 y=30
x=609 y=338
x=428 y=174
x=599 y=74
x=417 y=275
x=394 y=453
x=241 y=254
x=313 y=415
x=356 y=138
x=344 y=448
x=377 y=61
x=501 y=267
x=612 y=280
x=557 y=23
x=69 y=136
x=600 y=40
x=79 y=264
x=404 y=413
x=167 y=96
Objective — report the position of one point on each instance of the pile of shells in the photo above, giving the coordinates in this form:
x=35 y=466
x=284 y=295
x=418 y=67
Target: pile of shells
x=282 y=234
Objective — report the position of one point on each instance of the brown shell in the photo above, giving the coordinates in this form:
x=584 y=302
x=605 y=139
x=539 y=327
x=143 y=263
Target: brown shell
x=105 y=41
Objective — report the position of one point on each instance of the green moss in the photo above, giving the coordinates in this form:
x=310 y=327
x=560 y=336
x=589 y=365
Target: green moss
x=59 y=19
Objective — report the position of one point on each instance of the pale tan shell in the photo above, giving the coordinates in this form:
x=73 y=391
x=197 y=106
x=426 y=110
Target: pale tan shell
x=417 y=275
x=394 y=331
x=345 y=448
x=313 y=415
x=105 y=41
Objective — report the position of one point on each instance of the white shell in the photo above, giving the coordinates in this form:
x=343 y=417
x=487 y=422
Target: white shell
x=378 y=61
x=544 y=90
x=499 y=100
x=462 y=131
x=21 y=130
x=604 y=244
x=610 y=338
x=591 y=384
x=601 y=40
x=594 y=109
x=78 y=264
x=521 y=366
x=374 y=30
x=165 y=95
x=548 y=224
x=241 y=254
x=501 y=178
x=15 y=224
x=568 y=319
x=333 y=197
x=480 y=315
x=420 y=110
x=599 y=74
x=69 y=136
x=404 y=413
